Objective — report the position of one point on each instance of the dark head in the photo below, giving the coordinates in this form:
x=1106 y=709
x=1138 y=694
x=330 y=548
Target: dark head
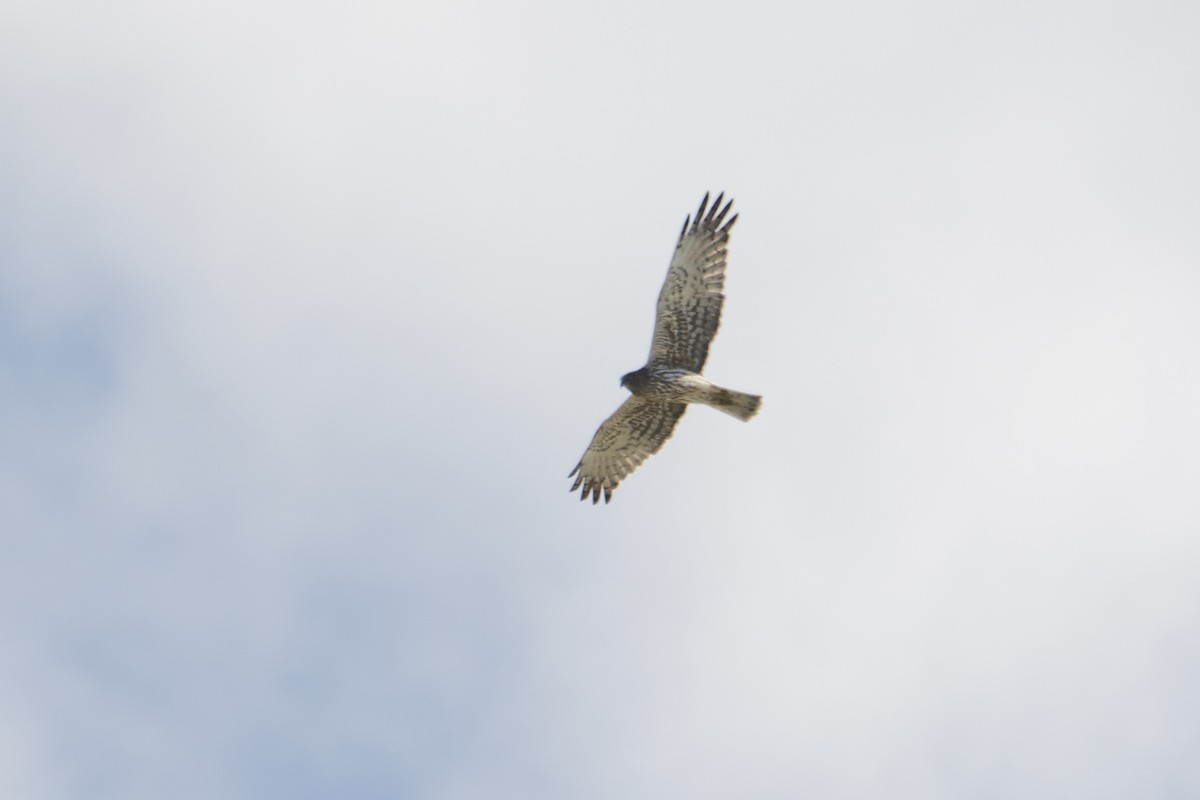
x=634 y=380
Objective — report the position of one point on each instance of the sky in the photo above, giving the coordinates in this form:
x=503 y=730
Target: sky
x=307 y=310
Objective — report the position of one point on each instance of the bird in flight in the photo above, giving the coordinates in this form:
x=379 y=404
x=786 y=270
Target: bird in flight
x=689 y=311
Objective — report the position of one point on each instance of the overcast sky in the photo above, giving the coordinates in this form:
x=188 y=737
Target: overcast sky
x=306 y=311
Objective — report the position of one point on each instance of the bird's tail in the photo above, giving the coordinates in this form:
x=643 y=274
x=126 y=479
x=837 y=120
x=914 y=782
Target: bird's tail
x=735 y=404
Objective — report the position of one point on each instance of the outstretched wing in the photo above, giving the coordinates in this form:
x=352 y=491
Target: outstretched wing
x=689 y=305
x=635 y=431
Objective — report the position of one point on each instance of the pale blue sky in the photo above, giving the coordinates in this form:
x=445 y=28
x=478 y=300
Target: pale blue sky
x=306 y=312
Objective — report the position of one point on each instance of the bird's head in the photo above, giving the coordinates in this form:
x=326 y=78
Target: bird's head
x=634 y=380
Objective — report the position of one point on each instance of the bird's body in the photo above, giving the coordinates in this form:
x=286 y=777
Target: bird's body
x=689 y=312
x=678 y=385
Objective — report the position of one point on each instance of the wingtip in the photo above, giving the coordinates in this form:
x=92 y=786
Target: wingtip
x=716 y=205
x=715 y=212
x=700 y=211
x=594 y=490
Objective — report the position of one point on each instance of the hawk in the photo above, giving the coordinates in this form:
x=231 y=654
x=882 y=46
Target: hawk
x=689 y=311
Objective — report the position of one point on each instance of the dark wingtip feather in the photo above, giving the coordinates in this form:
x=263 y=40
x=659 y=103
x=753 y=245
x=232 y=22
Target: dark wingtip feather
x=716 y=205
x=700 y=212
x=718 y=216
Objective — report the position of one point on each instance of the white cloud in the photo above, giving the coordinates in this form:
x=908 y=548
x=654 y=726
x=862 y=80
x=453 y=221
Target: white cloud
x=307 y=312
